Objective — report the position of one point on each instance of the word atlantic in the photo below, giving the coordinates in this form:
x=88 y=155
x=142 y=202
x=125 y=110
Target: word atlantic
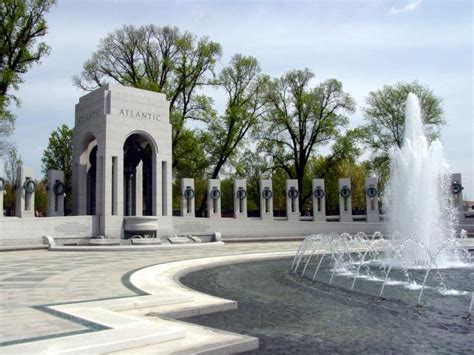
x=139 y=114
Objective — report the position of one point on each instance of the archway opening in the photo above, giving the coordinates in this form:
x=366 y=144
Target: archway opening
x=92 y=182
x=137 y=176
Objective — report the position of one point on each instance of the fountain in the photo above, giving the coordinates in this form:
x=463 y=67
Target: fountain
x=418 y=193
x=403 y=292
x=421 y=224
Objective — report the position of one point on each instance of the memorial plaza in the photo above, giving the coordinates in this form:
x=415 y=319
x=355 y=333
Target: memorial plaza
x=34 y=280
x=207 y=203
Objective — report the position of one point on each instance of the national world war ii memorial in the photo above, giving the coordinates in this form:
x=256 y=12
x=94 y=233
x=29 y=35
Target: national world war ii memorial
x=267 y=225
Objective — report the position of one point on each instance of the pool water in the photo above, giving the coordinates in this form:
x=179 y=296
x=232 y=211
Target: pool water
x=294 y=315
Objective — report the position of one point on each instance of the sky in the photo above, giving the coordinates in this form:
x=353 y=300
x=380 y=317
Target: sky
x=363 y=43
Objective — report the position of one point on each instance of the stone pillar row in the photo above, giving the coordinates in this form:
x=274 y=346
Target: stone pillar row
x=25 y=193
x=26 y=186
x=187 y=196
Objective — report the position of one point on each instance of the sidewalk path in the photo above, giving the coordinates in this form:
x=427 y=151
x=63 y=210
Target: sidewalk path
x=31 y=279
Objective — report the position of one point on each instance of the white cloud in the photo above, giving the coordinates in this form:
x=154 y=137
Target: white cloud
x=411 y=6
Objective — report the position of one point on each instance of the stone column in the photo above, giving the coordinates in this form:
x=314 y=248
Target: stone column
x=292 y=200
x=56 y=190
x=101 y=182
x=120 y=185
x=139 y=189
x=80 y=183
x=129 y=192
x=2 y=190
x=345 y=200
x=240 y=198
x=214 y=198
x=168 y=188
x=157 y=185
x=319 y=200
x=25 y=193
x=456 y=193
x=372 y=200
x=187 y=198
x=266 y=199
x=76 y=176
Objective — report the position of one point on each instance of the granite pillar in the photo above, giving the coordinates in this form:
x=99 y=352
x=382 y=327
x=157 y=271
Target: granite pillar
x=56 y=191
x=319 y=200
x=187 y=198
x=292 y=200
x=372 y=200
x=214 y=198
x=266 y=199
x=240 y=199
x=345 y=200
x=25 y=193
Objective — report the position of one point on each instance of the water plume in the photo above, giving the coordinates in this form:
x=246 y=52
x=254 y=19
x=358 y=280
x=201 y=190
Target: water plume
x=418 y=194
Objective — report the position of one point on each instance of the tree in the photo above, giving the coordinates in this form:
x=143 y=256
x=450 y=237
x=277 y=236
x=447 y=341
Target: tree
x=41 y=198
x=161 y=59
x=191 y=150
x=385 y=117
x=58 y=156
x=331 y=171
x=346 y=148
x=252 y=166
x=299 y=119
x=12 y=163
x=22 y=24
x=244 y=85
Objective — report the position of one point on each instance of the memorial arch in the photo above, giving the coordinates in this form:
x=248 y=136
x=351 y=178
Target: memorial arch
x=122 y=160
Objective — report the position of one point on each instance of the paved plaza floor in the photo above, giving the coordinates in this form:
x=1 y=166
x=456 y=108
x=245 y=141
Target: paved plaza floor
x=30 y=280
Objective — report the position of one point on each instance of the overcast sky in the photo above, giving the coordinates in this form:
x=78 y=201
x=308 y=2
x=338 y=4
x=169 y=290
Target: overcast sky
x=364 y=44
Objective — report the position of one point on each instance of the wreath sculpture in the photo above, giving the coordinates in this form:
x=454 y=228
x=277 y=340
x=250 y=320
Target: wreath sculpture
x=345 y=192
x=318 y=192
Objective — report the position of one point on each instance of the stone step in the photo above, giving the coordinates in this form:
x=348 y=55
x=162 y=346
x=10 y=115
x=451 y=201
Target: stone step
x=127 y=303
x=99 y=342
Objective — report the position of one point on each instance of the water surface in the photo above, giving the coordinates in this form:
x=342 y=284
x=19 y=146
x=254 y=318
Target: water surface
x=291 y=315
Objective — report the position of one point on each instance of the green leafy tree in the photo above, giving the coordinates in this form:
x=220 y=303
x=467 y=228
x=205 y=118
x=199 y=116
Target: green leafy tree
x=192 y=152
x=299 y=119
x=251 y=165
x=11 y=164
x=244 y=85
x=385 y=117
x=331 y=171
x=161 y=59
x=41 y=198
x=279 y=177
x=227 y=197
x=346 y=147
x=22 y=24
x=58 y=156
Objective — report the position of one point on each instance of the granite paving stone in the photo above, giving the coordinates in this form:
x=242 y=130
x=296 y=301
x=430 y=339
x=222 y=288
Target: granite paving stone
x=40 y=277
